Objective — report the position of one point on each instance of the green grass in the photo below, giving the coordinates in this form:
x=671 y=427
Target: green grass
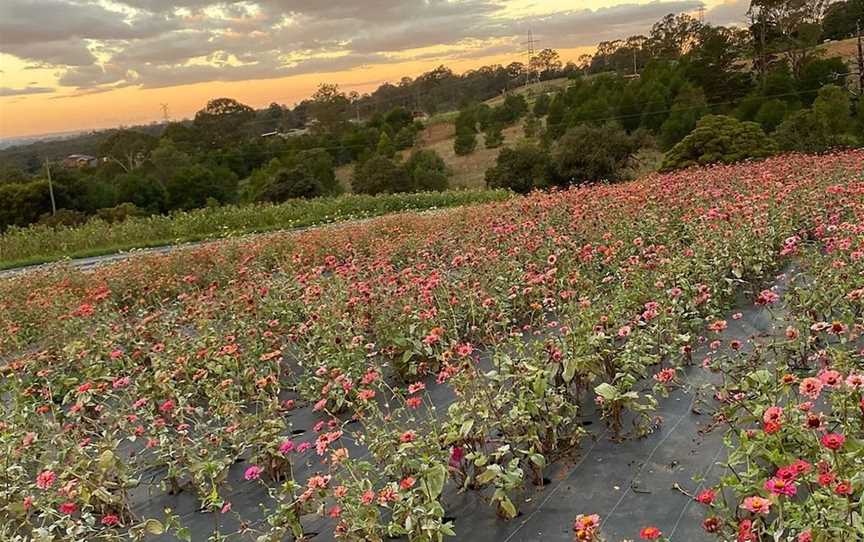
x=41 y=244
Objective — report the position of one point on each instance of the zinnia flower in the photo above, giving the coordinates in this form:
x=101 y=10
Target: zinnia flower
x=756 y=505
x=253 y=473
x=833 y=441
x=45 y=479
x=650 y=533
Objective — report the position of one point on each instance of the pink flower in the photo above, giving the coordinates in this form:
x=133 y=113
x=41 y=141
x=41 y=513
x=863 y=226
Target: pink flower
x=110 y=520
x=407 y=436
x=166 y=407
x=779 y=486
x=286 y=447
x=811 y=387
x=830 y=378
x=226 y=508
x=766 y=297
x=624 y=331
x=665 y=375
x=773 y=414
x=253 y=472
x=45 y=479
x=805 y=536
x=855 y=381
x=756 y=505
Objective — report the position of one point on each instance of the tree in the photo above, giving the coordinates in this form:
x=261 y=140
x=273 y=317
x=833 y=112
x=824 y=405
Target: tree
x=379 y=175
x=771 y=114
x=673 y=36
x=689 y=106
x=532 y=126
x=193 y=186
x=817 y=73
x=840 y=18
x=128 y=148
x=297 y=181
x=718 y=138
x=521 y=169
x=142 y=191
x=588 y=153
x=546 y=63
x=833 y=107
x=385 y=146
x=222 y=120
x=541 y=105
x=329 y=107
x=805 y=131
x=427 y=171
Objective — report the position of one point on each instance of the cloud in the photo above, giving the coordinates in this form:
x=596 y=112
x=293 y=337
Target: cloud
x=9 y=91
x=730 y=12
x=34 y=22
x=158 y=43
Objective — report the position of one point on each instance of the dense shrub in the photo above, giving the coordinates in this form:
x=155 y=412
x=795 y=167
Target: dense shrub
x=589 y=153
x=380 y=175
x=493 y=137
x=521 y=169
x=771 y=114
x=719 y=139
x=427 y=171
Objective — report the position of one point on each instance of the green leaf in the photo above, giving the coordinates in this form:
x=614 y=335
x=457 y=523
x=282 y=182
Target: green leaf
x=488 y=475
x=606 y=391
x=106 y=460
x=507 y=507
x=153 y=526
x=466 y=427
x=435 y=478
x=569 y=369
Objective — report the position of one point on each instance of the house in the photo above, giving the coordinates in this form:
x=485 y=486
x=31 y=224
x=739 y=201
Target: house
x=80 y=160
x=420 y=115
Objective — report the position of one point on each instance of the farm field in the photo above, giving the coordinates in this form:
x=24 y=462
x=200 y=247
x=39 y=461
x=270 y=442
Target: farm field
x=676 y=357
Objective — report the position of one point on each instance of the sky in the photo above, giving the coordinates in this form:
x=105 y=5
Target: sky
x=85 y=64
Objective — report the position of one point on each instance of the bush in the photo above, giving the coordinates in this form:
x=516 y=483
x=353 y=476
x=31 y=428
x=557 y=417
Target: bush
x=589 y=153
x=466 y=142
x=806 y=131
x=119 y=213
x=493 y=136
x=833 y=107
x=380 y=175
x=541 y=105
x=689 y=106
x=63 y=217
x=293 y=182
x=520 y=169
x=532 y=126
x=719 y=139
x=771 y=114
x=427 y=171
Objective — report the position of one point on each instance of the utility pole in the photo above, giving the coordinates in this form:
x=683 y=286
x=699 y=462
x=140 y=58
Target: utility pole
x=635 y=71
x=51 y=189
x=860 y=60
x=702 y=14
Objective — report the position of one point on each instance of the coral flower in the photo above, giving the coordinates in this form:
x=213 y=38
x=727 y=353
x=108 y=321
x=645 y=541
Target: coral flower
x=811 y=387
x=756 y=505
x=45 y=479
x=650 y=533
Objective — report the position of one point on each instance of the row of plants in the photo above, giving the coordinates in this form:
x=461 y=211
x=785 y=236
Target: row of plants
x=442 y=353
x=38 y=244
x=792 y=404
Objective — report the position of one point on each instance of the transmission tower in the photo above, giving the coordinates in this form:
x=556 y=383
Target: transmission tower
x=702 y=14
x=531 y=44
x=164 y=111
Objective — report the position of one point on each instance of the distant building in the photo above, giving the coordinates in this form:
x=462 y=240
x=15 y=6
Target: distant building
x=420 y=115
x=80 y=160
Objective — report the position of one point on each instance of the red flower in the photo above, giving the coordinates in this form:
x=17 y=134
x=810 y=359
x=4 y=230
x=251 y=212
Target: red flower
x=711 y=524
x=407 y=436
x=844 y=487
x=706 y=497
x=110 y=520
x=650 y=533
x=833 y=441
x=407 y=483
x=68 y=508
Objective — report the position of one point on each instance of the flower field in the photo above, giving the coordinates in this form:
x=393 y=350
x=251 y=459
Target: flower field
x=356 y=382
x=38 y=244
